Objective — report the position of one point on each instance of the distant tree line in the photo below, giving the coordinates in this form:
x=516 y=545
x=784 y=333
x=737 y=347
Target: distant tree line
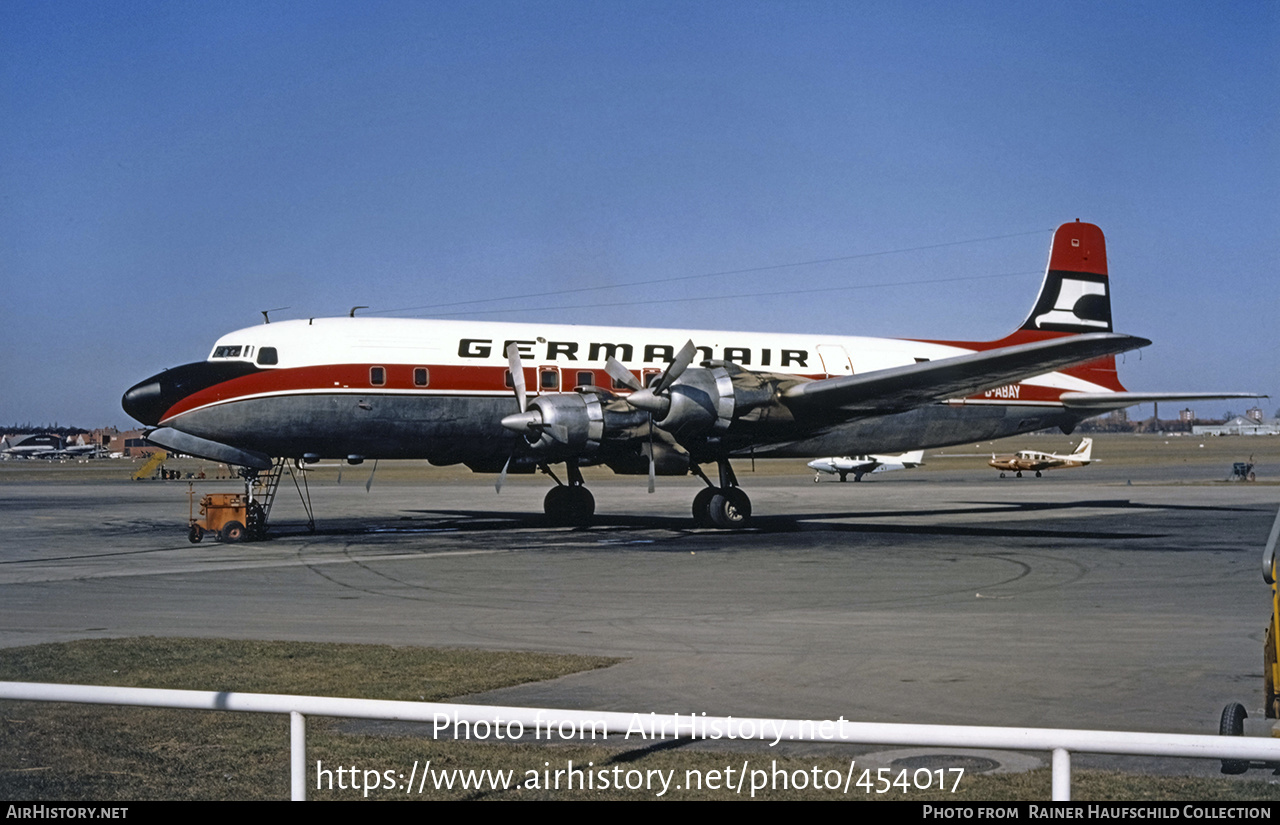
x=55 y=428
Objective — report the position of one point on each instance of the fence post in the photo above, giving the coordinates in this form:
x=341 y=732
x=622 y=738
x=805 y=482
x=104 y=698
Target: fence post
x=297 y=756
x=1061 y=775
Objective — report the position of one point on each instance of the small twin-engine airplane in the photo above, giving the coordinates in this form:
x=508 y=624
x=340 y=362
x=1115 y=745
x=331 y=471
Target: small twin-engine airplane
x=1029 y=460
x=860 y=465
x=633 y=399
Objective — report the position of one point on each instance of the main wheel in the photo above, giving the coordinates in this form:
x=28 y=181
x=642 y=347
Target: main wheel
x=730 y=508
x=569 y=506
x=702 y=506
x=233 y=531
x=1232 y=724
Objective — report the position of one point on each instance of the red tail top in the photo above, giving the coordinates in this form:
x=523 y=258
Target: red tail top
x=1079 y=247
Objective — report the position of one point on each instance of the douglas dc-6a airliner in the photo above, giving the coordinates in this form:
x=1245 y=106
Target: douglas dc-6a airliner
x=495 y=396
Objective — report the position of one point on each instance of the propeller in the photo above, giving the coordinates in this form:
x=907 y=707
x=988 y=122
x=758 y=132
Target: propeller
x=520 y=421
x=652 y=400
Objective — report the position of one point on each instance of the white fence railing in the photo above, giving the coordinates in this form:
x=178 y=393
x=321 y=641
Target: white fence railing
x=1059 y=742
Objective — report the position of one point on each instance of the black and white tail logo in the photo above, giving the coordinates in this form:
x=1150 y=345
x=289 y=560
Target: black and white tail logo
x=1072 y=302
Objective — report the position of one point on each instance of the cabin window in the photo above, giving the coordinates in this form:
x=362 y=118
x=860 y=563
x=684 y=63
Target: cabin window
x=421 y=377
x=549 y=379
x=377 y=376
x=586 y=378
x=267 y=357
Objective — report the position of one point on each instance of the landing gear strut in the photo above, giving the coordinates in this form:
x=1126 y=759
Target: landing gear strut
x=726 y=506
x=569 y=505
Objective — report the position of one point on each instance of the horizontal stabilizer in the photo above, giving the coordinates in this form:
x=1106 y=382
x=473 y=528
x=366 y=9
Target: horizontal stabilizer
x=914 y=385
x=1103 y=401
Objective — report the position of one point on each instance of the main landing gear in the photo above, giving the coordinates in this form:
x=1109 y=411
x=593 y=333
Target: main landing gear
x=569 y=505
x=727 y=506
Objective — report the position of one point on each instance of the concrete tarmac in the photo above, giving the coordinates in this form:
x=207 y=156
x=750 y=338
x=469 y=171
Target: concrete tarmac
x=1101 y=598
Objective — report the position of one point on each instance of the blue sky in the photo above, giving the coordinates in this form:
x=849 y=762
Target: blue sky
x=169 y=169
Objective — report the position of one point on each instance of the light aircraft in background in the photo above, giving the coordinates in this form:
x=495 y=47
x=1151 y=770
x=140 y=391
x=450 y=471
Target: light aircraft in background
x=504 y=396
x=1037 y=461
x=860 y=465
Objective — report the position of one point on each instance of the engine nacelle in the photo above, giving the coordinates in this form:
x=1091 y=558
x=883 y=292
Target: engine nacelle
x=707 y=401
x=575 y=424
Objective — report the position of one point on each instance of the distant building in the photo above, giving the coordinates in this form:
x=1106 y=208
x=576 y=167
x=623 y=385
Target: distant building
x=1239 y=425
x=1254 y=414
x=1187 y=416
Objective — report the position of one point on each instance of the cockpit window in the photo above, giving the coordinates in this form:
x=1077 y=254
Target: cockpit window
x=227 y=352
x=268 y=357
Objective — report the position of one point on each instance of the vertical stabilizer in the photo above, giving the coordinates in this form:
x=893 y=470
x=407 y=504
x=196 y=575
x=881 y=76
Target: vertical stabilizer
x=1075 y=294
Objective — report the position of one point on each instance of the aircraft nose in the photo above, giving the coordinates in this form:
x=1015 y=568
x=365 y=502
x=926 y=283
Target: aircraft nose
x=145 y=402
x=149 y=401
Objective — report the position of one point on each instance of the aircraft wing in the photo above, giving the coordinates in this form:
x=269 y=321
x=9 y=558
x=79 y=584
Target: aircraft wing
x=914 y=385
x=1103 y=401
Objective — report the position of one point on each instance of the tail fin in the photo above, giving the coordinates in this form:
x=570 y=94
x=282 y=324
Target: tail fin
x=1085 y=451
x=1074 y=296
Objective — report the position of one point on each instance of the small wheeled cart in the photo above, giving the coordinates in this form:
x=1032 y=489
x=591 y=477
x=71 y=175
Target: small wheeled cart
x=1233 y=715
x=1243 y=471
x=231 y=517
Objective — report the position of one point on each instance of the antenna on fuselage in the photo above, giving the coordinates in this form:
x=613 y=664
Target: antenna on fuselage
x=266 y=319
x=352 y=314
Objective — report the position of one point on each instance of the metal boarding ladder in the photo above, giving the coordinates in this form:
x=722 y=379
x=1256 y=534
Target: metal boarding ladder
x=262 y=490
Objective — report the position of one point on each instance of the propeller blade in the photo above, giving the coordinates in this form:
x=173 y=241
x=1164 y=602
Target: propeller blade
x=621 y=374
x=369 y=484
x=502 y=476
x=517 y=376
x=652 y=464
x=683 y=359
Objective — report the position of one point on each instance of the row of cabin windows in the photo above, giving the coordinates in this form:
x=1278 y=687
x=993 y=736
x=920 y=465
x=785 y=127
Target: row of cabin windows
x=547 y=379
x=378 y=376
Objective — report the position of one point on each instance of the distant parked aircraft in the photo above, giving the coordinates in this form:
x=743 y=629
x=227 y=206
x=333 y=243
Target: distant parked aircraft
x=46 y=445
x=860 y=465
x=1029 y=460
